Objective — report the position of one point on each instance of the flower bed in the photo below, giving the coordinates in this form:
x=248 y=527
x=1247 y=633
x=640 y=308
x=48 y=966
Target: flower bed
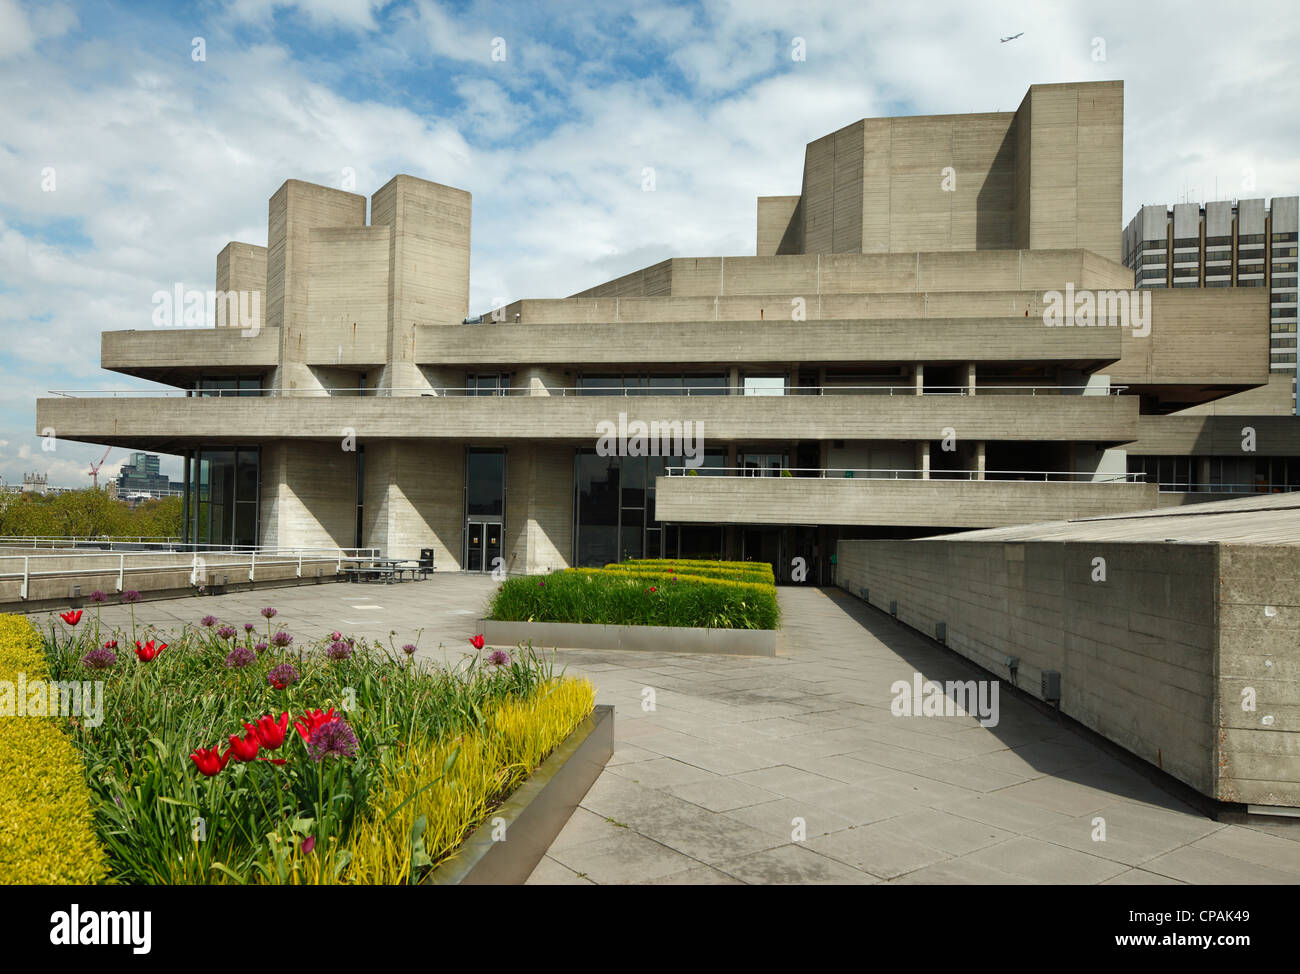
x=644 y=593
x=238 y=755
x=45 y=807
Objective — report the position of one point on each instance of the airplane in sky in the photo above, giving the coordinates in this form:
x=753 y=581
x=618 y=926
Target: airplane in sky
x=1012 y=37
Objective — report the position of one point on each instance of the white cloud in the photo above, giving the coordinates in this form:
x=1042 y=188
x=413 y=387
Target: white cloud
x=160 y=165
x=346 y=14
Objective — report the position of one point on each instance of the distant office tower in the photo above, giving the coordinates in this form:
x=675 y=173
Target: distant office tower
x=142 y=474
x=1249 y=243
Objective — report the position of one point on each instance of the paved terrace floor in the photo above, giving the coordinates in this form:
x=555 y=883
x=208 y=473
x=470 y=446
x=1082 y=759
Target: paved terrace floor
x=705 y=788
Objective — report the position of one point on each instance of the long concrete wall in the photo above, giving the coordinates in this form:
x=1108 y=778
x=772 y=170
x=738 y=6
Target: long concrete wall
x=1153 y=657
x=826 y=273
x=914 y=503
x=575 y=418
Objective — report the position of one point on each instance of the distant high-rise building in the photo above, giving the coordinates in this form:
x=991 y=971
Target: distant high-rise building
x=1248 y=243
x=142 y=473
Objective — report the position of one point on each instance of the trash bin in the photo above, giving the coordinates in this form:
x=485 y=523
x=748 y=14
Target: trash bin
x=426 y=558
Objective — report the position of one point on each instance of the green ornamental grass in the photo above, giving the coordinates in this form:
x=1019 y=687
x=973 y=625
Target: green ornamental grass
x=647 y=592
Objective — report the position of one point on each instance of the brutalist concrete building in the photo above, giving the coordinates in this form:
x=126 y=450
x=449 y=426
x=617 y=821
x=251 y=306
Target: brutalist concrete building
x=935 y=334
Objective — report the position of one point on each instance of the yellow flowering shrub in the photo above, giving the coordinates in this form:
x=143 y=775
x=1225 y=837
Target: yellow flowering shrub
x=45 y=812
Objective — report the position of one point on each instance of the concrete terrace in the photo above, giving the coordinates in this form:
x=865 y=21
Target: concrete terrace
x=704 y=788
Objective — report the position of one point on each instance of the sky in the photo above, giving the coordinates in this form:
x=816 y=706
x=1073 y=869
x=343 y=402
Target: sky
x=127 y=161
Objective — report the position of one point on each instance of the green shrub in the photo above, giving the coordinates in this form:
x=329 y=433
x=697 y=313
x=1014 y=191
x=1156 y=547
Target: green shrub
x=627 y=598
x=760 y=573
x=45 y=806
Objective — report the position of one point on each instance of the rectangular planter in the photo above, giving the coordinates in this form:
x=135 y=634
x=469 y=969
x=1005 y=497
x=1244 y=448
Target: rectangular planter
x=661 y=639
x=534 y=815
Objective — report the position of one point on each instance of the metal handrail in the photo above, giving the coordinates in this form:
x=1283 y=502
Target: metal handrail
x=200 y=561
x=14 y=541
x=175 y=546
x=1176 y=487
x=586 y=391
x=876 y=473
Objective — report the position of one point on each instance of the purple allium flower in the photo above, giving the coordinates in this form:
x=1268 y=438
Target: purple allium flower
x=409 y=649
x=268 y=613
x=499 y=657
x=336 y=636
x=207 y=622
x=260 y=647
x=248 y=627
x=541 y=584
x=282 y=677
x=97 y=597
x=281 y=640
x=334 y=738
x=99 y=659
x=338 y=650
x=226 y=632
x=308 y=844
x=130 y=595
x=240 y=657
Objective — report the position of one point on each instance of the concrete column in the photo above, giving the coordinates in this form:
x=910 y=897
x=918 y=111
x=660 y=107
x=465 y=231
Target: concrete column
x=296 y=209
x=918 y=374
x=540 y=380
x=1202 y=470
x=979 y=459
x=538 y=535
x=428 y=267
x=733 y=377
x=923 y=458
x=414 y=499
x=308 y=494
x=970 y=378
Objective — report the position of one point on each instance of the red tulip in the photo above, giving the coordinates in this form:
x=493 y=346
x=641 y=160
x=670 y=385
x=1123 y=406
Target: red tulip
x=311 y=720
x=148 y=651
x=269 y=731
x=209 y=761
x=71 y=618
x=111 y=644
x=245 y=748
x=653 y=588
x=477 y=641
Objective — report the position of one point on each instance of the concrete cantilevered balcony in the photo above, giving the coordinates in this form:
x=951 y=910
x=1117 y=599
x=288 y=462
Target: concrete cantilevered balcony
x=167 y=355
x=897 y=497
x=1021 y=413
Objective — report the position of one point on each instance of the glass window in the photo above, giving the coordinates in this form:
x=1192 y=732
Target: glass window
x=600 y=385
x=707 y=385
x=764 y=385
x=485 y=483
x=665 y=385
x=597 y=487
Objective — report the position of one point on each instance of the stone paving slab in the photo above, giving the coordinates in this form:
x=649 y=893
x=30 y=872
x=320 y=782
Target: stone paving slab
x=792 y=769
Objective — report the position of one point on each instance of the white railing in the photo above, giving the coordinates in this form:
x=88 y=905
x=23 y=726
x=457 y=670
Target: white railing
x=598 y=391
x=58 y=541
x=1175 y=487
x=119 y=564
x=861 y=473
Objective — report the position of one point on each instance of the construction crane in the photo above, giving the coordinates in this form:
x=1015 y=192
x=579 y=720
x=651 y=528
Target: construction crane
x=94 y=468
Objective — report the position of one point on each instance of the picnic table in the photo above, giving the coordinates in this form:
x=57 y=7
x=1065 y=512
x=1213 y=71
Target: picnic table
x=386 y=570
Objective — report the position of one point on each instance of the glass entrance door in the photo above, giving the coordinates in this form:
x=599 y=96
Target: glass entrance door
x=482 y=545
